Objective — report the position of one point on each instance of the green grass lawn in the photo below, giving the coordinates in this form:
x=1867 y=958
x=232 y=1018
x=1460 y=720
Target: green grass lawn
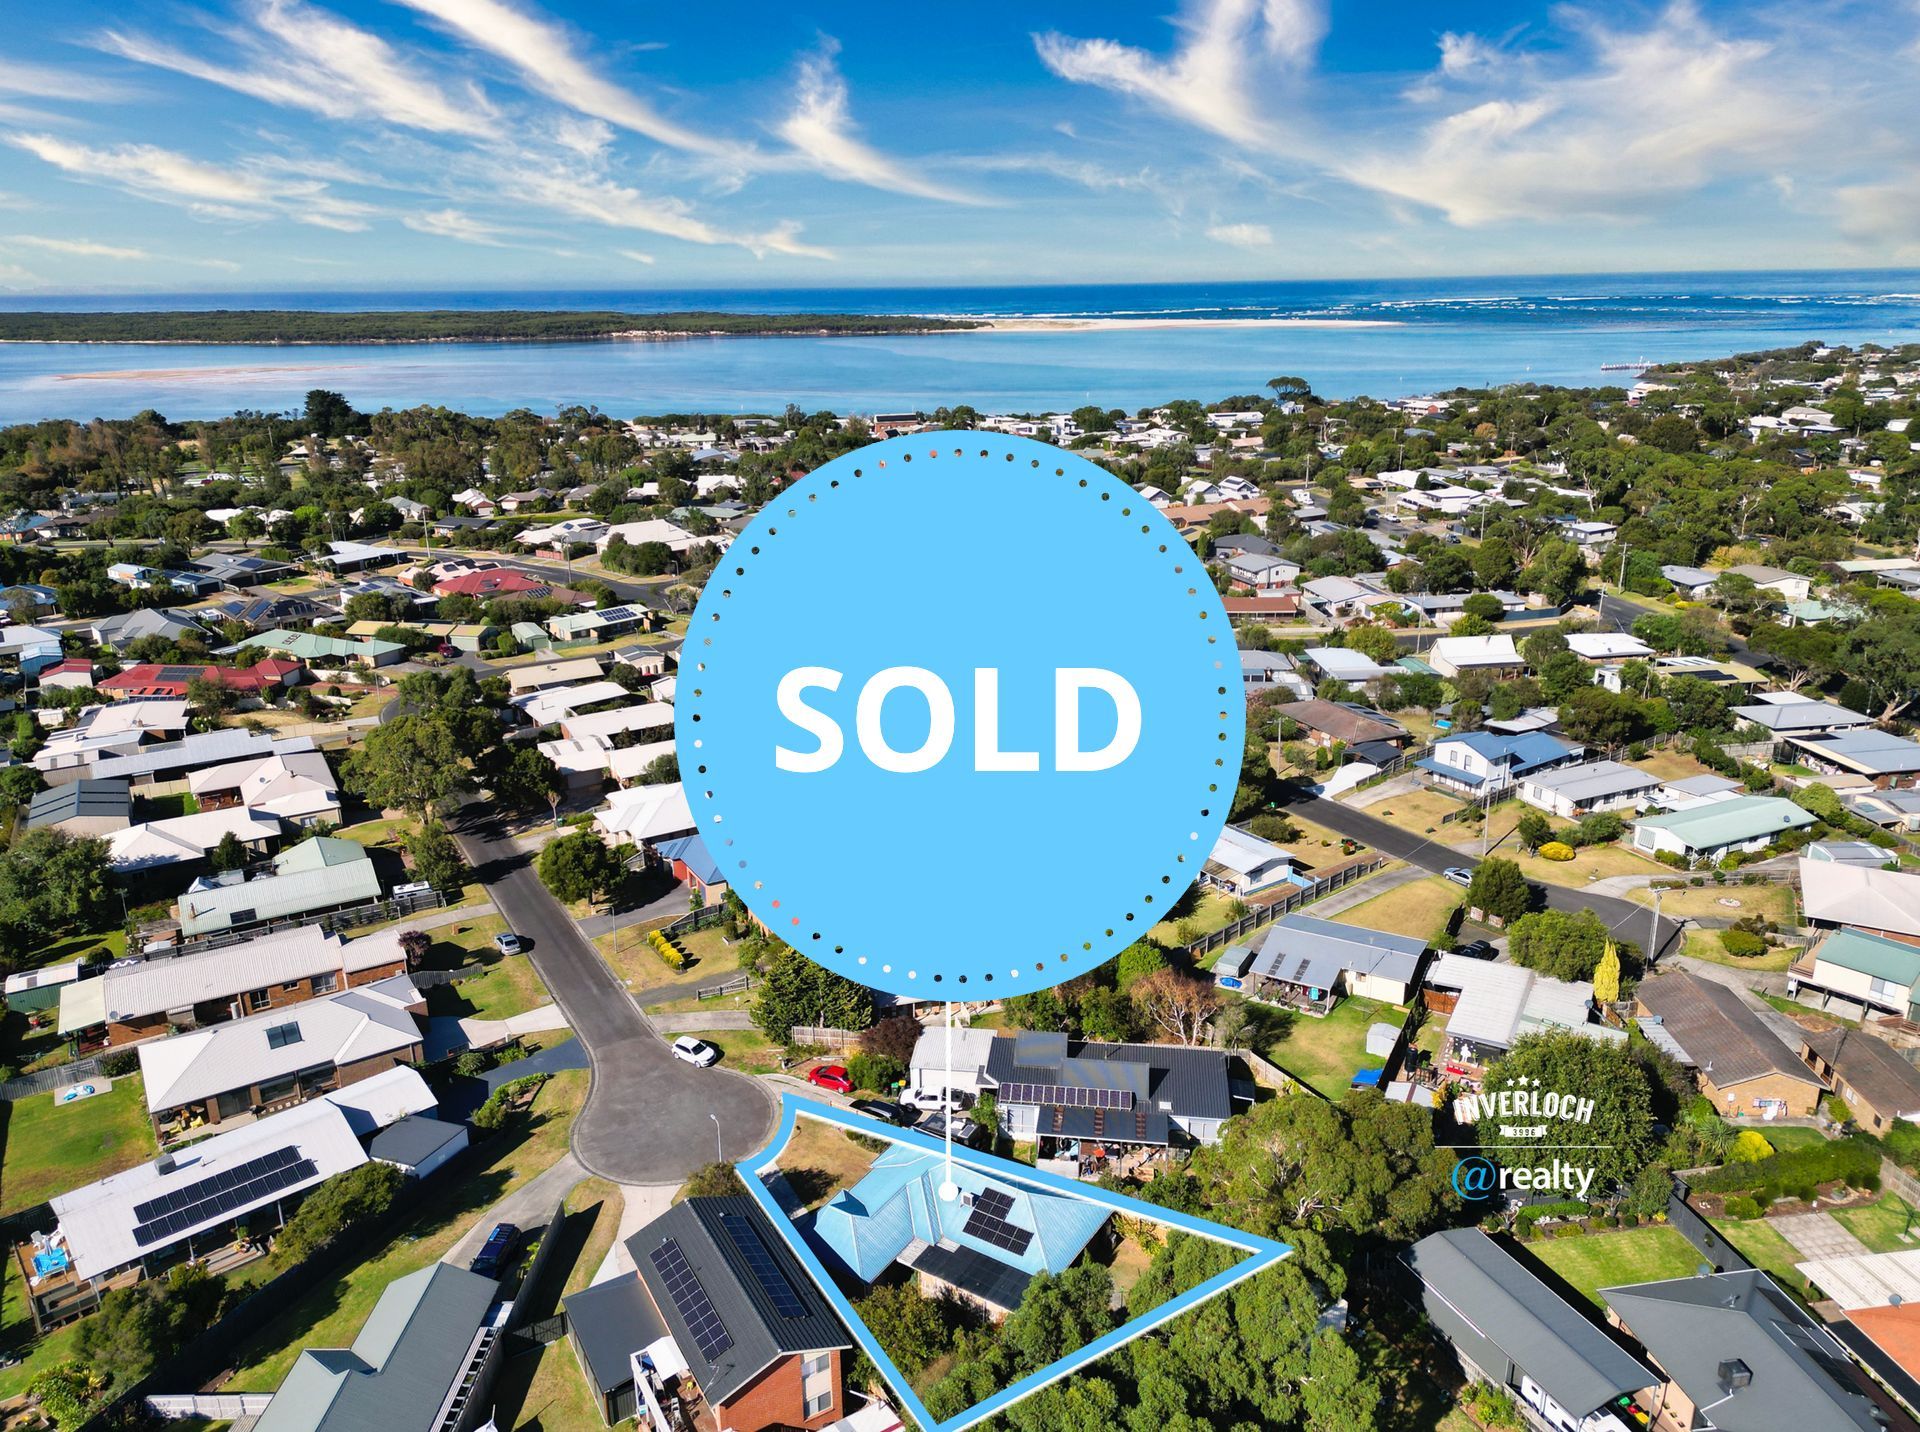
x=1415 y=908
x=509 y=987
x=1787 y=1136
x=1879 y=1224
x=1326 y=1052
x=1594 y=1261
x=1766 y=1250
x=745 y=1050
x=72 y=947
x=1773 y=901
x=1707 y=945
x=332 y=1314
x=53 y=1148
x=167 y=807
x=1212 y=911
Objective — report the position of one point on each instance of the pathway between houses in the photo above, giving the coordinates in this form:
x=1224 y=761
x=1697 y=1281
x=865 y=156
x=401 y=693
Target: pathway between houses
x=1818 y=1235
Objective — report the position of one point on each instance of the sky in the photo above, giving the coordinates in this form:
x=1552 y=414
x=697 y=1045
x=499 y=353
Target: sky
x=349 y=144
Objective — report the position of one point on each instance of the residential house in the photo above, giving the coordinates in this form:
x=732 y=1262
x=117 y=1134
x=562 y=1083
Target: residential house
x=1452 y=655
x=1878 y=1295
x=1243 y=864
x=1263 y=669
x=322 y=873
x=653 y=529
x=1483 y=764
x=604 y=624
x=1863 y=853
x=82 y=808
x=694 y=867
x=1337 y=598
x=1881 y=758
x=1877 y=1084
x=171 y=760
x=555 y=704
x=1789 y=586
x=523 y=680
x=656 y=716
x=1340 y=663
x=485 y=585
x=1155 y=1095
x=298 y=787
x=263 y=679
x=1353 y=726
x=426 y=1354
x=262 y=1063
x=718 y=1322
x=1792 y=713
x=1893 y=809
x=315 y=650
x=1491 y=1006
x=263 y=611
x=1706 y=834
x=1856 y=973
x=145 y=998
x=1575 y=791
x=1263 y=606
x=188 y=839
x=1598 y=648
x=74 y=673
x=1872 y=902
x=1693 y=584
x=1738 y=1354
x=645 y=815
x=121 y=631
x=984 y=1247
x=112 y=1233
x=239 y=570
x=1261 y=571
x=358 y=556
x=1742 y=1065
x=1511 y=1330
x=100 y=731
x=1697 y=790
x=1307 y=963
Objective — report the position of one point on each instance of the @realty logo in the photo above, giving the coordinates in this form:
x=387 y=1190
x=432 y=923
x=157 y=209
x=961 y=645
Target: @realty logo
x=1532 y=1110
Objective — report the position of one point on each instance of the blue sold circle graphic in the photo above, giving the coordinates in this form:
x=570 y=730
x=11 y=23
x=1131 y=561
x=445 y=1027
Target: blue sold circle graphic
x=1475 y=1178
x=959 y=715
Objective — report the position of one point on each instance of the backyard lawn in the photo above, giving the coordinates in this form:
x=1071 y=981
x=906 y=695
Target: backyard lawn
x=1726 y=902
x=1212 y=911
x=1326 y=1052
x=1672 y=766
x=53 y=1148
x=1879 y=1224
x=1594 y=1261
x=507 y=986
x=1416 y=908
x=820 y=1160
x=1707 y=945
x=1766 y=1250
x=332 y=1313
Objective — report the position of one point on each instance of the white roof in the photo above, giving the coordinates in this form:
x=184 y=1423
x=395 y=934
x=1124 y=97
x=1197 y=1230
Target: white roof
x=1345 y=664
x=643 y=813
x=1475 y=650
x=630 y=762
x=44 y=976
x=654 y=529
x=340 y=1029
x=1500 y=1003
x=971 y=1050
x=97 y=1222
x=123 y=717
x=648 y=716
x=1606 y=645
x=1245 y=854
x=187 y=837
x=1592 y=780
x=544 y=708
x=156 y=986
x=361 y=552
x=571 y=756
x=386 y=1098
x=1869 y=1280
x=1853 y=895
x=293 y=785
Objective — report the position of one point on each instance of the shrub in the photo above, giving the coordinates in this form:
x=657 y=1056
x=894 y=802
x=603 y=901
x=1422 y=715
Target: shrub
x=875 y=1071
x=666 y=949
x=1838 y=1111
x=1742 y=1207
x=1556 y=850
x=1749 y=1146
x=1743 y=944
x=1854 y=1161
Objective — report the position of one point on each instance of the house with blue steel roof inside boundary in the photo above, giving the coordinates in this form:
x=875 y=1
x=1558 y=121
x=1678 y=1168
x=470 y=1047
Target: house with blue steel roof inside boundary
x=1306 y=964
x=987 y=1245
x=1482 y=763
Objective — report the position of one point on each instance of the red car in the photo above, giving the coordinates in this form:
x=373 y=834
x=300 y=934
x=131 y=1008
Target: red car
x=831 y=1076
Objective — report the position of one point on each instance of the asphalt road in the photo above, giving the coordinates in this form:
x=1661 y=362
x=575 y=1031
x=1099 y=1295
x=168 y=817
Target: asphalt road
x=649 y=1118
x=1623 y=917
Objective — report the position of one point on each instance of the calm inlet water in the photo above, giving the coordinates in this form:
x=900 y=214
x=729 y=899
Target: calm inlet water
x=1442 y=333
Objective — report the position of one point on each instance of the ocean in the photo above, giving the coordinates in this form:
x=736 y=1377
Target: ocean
x=1384 y=338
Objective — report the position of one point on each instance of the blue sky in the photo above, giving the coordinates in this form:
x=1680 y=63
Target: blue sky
x=250 y=144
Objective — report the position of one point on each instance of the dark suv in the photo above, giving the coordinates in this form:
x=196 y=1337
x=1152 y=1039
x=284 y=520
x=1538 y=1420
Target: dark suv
x=491 y=1261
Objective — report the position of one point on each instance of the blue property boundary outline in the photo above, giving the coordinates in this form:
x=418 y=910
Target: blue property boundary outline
x=1263 y=1253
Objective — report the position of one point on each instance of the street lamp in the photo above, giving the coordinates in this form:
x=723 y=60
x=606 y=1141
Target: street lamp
x=718 y=1155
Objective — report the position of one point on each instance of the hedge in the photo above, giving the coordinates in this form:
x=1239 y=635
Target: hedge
x=1855 y=1161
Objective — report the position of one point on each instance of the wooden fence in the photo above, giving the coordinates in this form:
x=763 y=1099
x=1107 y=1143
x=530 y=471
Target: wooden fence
x=1263 y=914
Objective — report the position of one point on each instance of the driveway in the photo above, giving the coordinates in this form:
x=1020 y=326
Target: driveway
x=1631 y=921
x=648 y=1117
x=528 y=1207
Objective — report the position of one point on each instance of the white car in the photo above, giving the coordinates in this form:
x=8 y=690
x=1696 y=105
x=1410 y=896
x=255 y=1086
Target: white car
x=915 y=1098
x=695 y=1051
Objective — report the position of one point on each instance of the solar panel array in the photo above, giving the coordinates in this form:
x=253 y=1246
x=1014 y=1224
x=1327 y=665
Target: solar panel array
x=988 y=1223
x=1069 y=1095
x=229 y=1191
x=771 y=1277
x=710 y=1335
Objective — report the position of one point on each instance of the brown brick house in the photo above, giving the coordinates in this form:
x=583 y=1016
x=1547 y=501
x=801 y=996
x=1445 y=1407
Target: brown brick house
x=1741 y=1064
x=1878 y=1085
x=145 y=1000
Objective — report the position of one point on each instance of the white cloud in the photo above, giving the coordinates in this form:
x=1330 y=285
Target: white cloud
x=306 y=58
x=51 y=82
x=546 y=58
x=207 y=189
x=605 y=201
x=1885 y=213
x=635 y=255
x=1463 y=55
x=84 y=248
x=1663 y=109
x=1242 y=236
x=821 y=128
x=1209 y=80
x=454 y=224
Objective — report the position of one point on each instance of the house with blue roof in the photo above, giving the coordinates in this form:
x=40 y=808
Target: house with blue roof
x=1480 y=764
x=694 y=866
x=1307 y=963
x=987 y=1244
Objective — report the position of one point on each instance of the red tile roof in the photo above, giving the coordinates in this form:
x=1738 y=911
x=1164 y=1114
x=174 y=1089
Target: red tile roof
x=493 y=582
x=152 y=678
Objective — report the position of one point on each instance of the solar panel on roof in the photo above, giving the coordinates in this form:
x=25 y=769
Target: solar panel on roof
x=993 y=1228
x=219 y=1194
x=772 y=1279
x=995 y=1201
x=690 y=1300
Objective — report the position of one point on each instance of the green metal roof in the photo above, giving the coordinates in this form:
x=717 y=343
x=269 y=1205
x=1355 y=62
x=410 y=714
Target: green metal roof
x=1871 y=955
x=320 y=851
x=1707 y=827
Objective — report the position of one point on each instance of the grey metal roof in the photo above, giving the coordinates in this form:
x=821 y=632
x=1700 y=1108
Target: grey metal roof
x=81 y=800
x=400 y=1370
x=609 y=1322
x=757 y=1332
x=413 y=1140
x=1191 y=1082
x=203 y=748
x=1801 y=1376
x=1303 y=950
x=1479 y=1291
